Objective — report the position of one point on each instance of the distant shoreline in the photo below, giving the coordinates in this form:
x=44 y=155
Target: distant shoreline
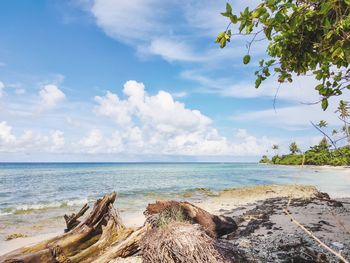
x=309 y=165
x=141 y=162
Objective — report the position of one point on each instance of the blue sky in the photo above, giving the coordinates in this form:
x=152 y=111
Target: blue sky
x=143 y=80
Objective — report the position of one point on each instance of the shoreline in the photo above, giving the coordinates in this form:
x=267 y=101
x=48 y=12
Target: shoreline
x=340 y=167
x=228 y=199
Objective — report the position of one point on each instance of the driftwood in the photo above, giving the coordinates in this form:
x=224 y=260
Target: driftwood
x=92 y=239
x=215 y=226
x=101 y=236
x=72 y=220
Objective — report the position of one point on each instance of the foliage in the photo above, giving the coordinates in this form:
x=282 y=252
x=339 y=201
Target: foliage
x=276 y=159
x=343 y=111
x=304 y=36
x=275 y=147
x=323 y=145
x=291 y=159
x=265 y=159
x=293 y=147
x=320 y=154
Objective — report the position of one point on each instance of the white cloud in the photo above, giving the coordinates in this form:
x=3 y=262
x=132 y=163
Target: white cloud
x=158 y=124
x=150 y=27
x=50 y=96
x=180 y=94
x=134 y=124
x=172 y=50
x=128 y=21
x=29 y=141
x=251 y=145
x=58 y=140
x=6 y=136
x=93 y=139
x=159 y=111
x=302 y=89
x=111 y=106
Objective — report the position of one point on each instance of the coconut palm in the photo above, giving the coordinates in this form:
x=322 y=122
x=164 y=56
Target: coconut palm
x=275 y=148
x=293 y=147
x=344 y=113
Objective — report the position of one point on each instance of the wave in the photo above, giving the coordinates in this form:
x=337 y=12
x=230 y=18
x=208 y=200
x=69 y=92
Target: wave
x=149 y=195
x=30 y=208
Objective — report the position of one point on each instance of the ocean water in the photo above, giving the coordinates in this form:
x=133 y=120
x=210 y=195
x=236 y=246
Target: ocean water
x=34 y=193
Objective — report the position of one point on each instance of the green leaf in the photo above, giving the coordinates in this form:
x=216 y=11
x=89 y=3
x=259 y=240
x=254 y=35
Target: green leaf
x=220 y=36
x=261 y=62
x=324 y=104
x=228 y=8
x=246 y=59
x=223 y=42
x=319 y=87
x=233 y=19
x=225 y=14
x=303 y=36
x=267 y=31
x=258 y=81
x=266 y=71
x=270 y=62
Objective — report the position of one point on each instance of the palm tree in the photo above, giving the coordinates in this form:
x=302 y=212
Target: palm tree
x=323 y=144
x=322 y=124
x=275 y=148
x=293 y=147
x=343 y=110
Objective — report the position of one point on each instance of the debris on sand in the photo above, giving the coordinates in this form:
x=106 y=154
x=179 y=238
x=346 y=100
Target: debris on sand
x=180 y=242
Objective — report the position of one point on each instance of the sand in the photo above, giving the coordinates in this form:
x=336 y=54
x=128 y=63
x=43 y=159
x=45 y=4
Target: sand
x=236 y=197
x=13 y=244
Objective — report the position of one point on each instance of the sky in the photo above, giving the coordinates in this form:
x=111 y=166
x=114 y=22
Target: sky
x=141 y=80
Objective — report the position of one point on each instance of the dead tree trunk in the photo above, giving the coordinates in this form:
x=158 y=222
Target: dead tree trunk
x=72 y=220
x=84 y=241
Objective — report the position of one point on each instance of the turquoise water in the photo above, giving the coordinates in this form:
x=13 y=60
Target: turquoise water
x=30 y=192
x=29 y=186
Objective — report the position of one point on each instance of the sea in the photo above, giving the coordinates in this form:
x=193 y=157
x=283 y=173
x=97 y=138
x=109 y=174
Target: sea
x=35 y=196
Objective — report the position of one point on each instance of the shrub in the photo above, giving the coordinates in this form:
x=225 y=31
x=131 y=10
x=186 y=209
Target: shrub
x=265 y=159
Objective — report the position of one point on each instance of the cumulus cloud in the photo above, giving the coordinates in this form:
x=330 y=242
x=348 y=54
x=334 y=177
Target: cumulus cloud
x=6 y=136
x=111 y=106
x=93 y=139
x=29 y=141
x=58 y=140
x=160 y=111
x=158 y=124
x=133 y=123
x=50 y=96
